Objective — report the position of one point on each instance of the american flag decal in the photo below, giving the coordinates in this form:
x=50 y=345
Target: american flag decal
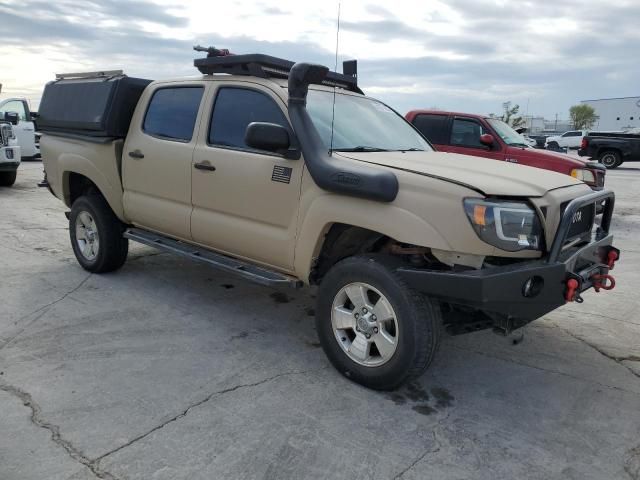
x=281 y=174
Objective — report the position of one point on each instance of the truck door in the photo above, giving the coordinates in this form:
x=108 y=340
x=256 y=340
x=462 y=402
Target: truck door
x=465 y=139
x=157 y=155
x=24 y=130
x=245 y=201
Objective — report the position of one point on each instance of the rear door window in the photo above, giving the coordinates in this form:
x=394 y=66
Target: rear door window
x=466 y=133
x=433 y=126
x=172 y=113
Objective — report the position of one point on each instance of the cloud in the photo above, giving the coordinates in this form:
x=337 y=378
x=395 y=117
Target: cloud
x=466 y=55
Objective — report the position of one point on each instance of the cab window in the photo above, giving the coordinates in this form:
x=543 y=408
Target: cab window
x=432 y=126
x=14 y=106
x=466 y=133
x=234 y=109
x=172 y=113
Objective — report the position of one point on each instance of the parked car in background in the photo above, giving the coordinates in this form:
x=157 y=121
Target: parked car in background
x=570 y=139
x=539 y=139
x=611 y=149
x=9 y=150
x=492 y=138
x=25 y=129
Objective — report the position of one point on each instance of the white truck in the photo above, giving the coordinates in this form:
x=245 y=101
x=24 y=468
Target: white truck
x=24 y=130
x=570 y=139
x=9 y=150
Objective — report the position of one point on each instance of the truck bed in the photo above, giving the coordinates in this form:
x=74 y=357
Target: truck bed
x=97 y=158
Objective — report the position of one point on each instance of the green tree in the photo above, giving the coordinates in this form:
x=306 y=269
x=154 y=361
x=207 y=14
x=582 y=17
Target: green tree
x=582 y=116
x=510 y=115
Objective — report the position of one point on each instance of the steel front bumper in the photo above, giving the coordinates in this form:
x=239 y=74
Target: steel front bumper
x=528 y=290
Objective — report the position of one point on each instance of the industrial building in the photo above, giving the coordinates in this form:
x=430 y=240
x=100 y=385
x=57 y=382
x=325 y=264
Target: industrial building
x=616 y=113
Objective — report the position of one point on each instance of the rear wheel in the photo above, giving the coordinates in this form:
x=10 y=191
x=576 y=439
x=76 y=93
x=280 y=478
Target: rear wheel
x=96 y=235
x=374 y=329
x=8 y=178
x=610 y=159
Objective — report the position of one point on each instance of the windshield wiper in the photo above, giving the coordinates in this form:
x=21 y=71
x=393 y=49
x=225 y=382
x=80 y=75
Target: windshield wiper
x=412 y=149
x=361 y=148
x=518 y=145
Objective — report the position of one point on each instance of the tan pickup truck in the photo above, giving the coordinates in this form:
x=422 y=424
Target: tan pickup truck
x=289 y=176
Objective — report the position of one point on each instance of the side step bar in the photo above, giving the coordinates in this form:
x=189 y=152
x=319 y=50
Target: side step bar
x=246 y=270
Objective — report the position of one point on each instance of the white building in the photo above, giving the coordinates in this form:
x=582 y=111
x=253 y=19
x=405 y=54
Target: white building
x=616 y=113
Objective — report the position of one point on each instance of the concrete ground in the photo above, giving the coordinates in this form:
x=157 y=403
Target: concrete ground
x=169 y=370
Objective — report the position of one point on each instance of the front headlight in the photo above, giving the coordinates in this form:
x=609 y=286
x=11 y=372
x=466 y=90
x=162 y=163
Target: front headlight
x=583 y=174
x=508 y=225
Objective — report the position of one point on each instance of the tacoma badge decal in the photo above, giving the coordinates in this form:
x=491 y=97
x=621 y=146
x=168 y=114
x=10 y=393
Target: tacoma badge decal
x=281 y=174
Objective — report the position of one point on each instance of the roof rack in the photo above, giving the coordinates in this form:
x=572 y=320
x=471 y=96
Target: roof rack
x=266 y=66
x=104 y=73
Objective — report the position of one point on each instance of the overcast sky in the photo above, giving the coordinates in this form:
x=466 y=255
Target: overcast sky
x=464 y=55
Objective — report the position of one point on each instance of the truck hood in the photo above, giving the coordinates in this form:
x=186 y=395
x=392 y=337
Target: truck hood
x=577 y=162
x=490 y=177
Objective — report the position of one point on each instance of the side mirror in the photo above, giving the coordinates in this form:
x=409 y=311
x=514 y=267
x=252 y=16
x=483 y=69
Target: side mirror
x=12 y=117
x=487 y=139
x=267 y=136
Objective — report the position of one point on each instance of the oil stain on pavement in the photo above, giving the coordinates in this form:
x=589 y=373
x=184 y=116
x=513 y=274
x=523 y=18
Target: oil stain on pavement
x=421 y=401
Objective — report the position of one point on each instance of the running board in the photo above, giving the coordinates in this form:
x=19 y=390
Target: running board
x=246 y=270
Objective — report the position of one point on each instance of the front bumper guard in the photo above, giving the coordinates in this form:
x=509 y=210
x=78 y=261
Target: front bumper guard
x=528 y=290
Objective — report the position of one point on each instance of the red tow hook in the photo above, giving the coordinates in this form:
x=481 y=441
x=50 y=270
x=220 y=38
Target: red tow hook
x=603 y=281
x=572 y=288
x=612 y=256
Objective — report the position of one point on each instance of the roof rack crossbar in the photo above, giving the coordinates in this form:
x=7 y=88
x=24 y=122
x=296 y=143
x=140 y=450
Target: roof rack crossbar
x=103 y=73
x=266 y=66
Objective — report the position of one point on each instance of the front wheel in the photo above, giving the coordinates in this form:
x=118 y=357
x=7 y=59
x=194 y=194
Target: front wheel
x=374 y=329
x=610 y=159
x=96 y=235
x=8 y=178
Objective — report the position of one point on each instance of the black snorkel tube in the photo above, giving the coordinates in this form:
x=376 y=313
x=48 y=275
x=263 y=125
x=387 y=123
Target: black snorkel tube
x=329 y=173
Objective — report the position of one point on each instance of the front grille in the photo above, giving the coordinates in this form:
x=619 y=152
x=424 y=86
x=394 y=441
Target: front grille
x=6 y=133
x=581 y=222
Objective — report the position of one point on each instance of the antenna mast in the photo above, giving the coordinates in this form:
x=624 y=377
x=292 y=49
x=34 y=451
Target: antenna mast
x=335 y=69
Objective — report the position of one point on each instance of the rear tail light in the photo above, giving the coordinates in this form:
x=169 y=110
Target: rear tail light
x=584 y=143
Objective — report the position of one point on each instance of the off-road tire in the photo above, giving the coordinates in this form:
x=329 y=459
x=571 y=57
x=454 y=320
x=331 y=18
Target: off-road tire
x=113 y=247
x=419 y=322
x=610 y=159
x=8 y=178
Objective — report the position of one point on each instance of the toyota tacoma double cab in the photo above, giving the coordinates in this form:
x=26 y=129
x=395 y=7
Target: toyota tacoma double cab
x=9 y=149
x=492 y=138
x=288 y=175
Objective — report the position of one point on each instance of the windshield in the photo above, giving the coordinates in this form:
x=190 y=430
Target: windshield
x=361 y=124
x=507 y=134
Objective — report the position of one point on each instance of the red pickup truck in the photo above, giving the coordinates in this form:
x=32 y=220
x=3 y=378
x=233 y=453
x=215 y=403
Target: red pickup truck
x=492 y=138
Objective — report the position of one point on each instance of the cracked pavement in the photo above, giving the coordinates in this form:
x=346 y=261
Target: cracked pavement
x=170 y=370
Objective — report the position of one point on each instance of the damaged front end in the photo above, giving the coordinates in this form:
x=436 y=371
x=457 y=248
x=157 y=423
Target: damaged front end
x=509 y=296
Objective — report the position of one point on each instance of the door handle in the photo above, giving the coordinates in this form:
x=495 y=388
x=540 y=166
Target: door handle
x=204 y=166
x=136 y=154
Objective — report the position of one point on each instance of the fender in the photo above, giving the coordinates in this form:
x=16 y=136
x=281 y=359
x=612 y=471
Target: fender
x=98 y=162
x=322 y=213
